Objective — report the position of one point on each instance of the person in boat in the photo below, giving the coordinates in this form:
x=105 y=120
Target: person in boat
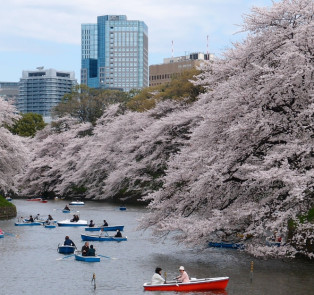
x=157 y=279
x=118 y=234
x=183 y=277
x=68 y=242
x=85 y=249
x=30 y=219
x=105 y=223
x=49 y=217
x=91 y=251
x=91 y=223
x=37 y=217
x=66 y=208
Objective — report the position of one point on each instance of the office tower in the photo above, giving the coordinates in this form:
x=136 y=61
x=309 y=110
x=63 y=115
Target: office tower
x=9 y=91
x=41 y=90
x=115 y=53
x=171 y=67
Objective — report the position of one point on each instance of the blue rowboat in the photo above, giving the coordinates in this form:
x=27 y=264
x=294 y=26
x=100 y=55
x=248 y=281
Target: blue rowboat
x=65 y=211
x=122 y=208
x=68 y=222
x=226 y=245
x=27 y=223
x=102 y=238
x=106 y=228
x=65 y=249
x=1 y=235
x=87 y=258
x=50 y=226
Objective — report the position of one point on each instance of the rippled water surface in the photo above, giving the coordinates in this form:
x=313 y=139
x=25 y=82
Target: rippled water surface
x=29 y=265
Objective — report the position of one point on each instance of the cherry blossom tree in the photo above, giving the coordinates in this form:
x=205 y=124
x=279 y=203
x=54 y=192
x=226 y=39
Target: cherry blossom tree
x=248 y=169
x=13 y=150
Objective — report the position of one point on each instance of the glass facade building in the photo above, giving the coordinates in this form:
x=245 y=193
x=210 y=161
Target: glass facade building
x=114 y=53
x=41 y=90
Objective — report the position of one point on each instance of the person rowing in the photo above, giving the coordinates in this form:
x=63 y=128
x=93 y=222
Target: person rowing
x=68 y=242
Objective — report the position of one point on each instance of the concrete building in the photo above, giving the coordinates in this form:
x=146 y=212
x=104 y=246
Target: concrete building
x=9 y=91
x=114 y=53
x=41 y=90
x=163 y=73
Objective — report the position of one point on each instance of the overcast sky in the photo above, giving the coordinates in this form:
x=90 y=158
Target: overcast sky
x=47 y=32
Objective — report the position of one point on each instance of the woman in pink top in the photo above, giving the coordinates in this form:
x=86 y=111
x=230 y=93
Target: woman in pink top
x=183 y=277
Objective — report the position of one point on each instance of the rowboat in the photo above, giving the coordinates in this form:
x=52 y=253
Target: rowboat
x=122 y=208
x=66 y=249
x=65 y=211
x=1 y=234
x=77 y=203
x=226 y=245
x=272 y=243
x=102 y=238
x=87 y=258
x=206 y=284
x=8 y=199
x=106 y=228
x=68 y=222
x=43 y=201
x=50 y=226
x=27 y=223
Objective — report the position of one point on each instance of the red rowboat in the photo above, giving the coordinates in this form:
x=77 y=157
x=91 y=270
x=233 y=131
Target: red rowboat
x=43 y=201
x=194 y=285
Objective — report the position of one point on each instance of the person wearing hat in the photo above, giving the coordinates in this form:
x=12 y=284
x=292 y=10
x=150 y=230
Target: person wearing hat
x=157 y=279
x=183 y=277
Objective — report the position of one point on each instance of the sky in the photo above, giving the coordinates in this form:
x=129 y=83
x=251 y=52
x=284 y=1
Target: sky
x=47 y=33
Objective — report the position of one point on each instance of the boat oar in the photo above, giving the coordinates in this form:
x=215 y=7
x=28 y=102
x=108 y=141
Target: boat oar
x=106 y=256
x=12 y=235
x=65 y=257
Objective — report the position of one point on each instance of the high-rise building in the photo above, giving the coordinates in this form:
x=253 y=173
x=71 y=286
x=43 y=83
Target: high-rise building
x=9 y=91
x=173 y=66
x=115 y=53
x=41 y=90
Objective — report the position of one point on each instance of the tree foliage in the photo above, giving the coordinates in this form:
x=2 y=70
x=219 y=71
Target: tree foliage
x=88 y=104
x=180 y=88
x=13 y=149
x=28 y=125
x=235 y=165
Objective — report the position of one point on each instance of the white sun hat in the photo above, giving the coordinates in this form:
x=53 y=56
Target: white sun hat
x=181 y=268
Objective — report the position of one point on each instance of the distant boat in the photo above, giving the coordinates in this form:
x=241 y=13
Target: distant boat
x=77 y=203
x=226 y=245
x=122 y=208
x=1 y=234
x=271 y=243
x=43 y=201
x=68 y=222
x=34 y=199
x=102 y=238
x=66 y=249
x=206 y=284
x=87 y=258
x=50 y=226
x=8 y=199
x=27 y=223
x=65 y=211
x=106 y=228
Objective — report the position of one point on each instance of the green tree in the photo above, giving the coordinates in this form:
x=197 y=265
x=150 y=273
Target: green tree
x=88 y=104
x=28 y=125
x=180 y=88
